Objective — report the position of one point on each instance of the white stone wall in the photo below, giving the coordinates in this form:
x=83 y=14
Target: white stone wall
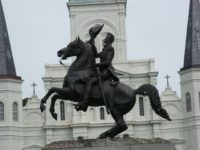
x=33 y=123
x=11 y=132
x=190 y=82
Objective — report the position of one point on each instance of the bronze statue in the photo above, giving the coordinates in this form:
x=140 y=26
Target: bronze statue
x=118 y=97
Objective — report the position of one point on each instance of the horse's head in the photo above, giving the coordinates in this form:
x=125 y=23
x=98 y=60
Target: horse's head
x=74 y=48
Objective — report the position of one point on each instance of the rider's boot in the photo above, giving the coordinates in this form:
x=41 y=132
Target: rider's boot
x=83 y=104
x=115 y=79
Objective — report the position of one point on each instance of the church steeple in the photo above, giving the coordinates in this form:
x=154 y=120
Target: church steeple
x=190 y=79
x=7 y=67
x=192 y=49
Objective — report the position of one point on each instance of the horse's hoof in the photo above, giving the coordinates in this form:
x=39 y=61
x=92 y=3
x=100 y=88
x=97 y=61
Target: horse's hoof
x=42 y=107
x=54 y=115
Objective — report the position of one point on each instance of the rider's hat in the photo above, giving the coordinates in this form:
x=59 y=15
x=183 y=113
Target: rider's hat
x=94 y=31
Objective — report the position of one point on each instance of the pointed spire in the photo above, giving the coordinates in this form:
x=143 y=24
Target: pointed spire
x=7 y=67
x=192 y=49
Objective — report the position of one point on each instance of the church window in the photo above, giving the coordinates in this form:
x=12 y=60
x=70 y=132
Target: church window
x=141 y=106
x=92 y=114
x=62 y=110
x=1 y=111
x=15 y=112
x=188 y=103
x=102 y=114
x=199 y=99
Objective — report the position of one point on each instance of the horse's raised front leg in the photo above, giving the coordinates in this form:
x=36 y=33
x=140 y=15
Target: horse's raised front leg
x=53 y=101
x=44 y=99
x=118 y=128
x=61 y=91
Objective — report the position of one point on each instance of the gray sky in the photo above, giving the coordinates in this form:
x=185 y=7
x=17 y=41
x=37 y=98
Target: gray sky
x=38 y=28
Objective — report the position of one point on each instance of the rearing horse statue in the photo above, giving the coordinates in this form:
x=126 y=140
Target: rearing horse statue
x=121 y=98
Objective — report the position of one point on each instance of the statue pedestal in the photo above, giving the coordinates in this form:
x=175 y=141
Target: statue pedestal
x=112 y=144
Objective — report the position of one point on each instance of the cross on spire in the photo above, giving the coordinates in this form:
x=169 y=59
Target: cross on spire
x=168 y=77
x=34 y=87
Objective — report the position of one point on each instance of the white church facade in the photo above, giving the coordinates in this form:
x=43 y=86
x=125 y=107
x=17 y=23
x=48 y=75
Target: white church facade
x=26 y=128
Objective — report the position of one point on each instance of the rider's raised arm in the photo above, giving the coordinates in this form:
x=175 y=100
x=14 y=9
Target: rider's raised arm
x=94 y=49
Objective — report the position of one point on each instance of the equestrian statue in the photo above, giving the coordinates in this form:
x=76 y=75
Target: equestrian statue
x=88 y=83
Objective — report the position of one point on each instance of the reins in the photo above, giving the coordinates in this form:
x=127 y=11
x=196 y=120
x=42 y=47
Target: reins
x=65 y=66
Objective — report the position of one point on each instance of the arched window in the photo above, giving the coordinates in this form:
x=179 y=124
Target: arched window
x=62 y=110
x=188 y=103
x=92 y=114
x=15 y=112
x=1 y=111
x=102 y=114
x=141 y=106
x=199 y=99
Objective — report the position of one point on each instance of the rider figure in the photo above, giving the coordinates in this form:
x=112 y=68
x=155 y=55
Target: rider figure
x=105 y=66
x=106 y=57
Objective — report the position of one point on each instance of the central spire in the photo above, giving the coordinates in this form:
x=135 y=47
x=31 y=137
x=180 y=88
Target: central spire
x=192 y=49
x=7 y=67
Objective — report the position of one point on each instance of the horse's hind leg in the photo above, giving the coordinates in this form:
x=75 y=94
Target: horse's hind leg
x=118 y=128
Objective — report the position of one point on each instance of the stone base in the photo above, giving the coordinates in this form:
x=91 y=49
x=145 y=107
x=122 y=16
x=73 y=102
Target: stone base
x=112 y=144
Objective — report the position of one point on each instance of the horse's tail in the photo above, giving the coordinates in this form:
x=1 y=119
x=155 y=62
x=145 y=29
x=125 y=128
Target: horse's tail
x=150 y=91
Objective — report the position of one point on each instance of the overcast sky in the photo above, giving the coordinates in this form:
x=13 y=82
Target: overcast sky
x=38 y=28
